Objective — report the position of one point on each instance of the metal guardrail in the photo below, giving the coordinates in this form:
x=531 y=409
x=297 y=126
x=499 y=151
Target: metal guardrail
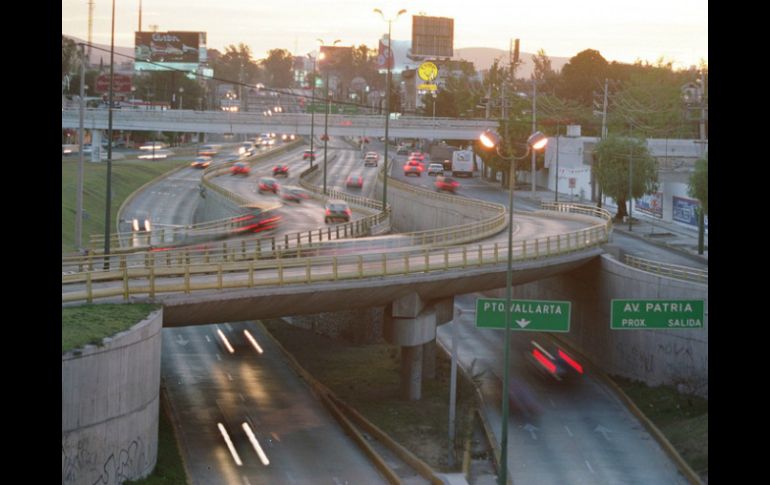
x=671 y=270
x=157 y=277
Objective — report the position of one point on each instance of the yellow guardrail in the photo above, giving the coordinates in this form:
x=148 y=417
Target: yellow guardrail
x=159 y=276
x=671 y=270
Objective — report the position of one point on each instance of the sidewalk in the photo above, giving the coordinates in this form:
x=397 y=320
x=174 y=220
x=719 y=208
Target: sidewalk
x=671 y=235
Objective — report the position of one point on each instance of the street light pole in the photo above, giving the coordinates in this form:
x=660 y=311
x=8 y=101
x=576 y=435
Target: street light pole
x=387 y=102
x=535 y=141
x=108 y=210
x=312 y=114
x=326 y=113
x=79 y=207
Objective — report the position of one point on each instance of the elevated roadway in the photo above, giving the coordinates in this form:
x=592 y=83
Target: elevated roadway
x=299 y=123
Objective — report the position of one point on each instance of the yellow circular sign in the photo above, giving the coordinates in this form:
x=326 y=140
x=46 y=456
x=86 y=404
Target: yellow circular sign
x=427 y=71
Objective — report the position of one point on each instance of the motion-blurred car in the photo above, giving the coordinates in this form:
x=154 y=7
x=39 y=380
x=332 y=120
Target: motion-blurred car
x=413 y=167
x=308 y=155
x=418 y=155
x=354 y=181
x=402 y=150
x=248 y=148
x=294 y=194
x=155 y=155
x=554 y=361
x=153 y=145
x=435 y=169
x=201 y=162
x=337 y=210
x=288 y=137
x=447 y=184
x=268 y=184
x=240 y=168
x=208 y=150
x=281 y=171
x=371 y=159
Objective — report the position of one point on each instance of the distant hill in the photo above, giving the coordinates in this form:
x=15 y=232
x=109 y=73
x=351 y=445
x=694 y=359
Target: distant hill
x=483 y=57
x=102 y=52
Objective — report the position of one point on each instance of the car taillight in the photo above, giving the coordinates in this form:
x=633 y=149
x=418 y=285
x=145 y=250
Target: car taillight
x=348 y=212
x=550 y=367
x=328 y=212
x=572 y=362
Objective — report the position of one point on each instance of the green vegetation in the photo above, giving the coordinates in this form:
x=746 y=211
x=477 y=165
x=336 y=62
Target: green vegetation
x=127 y=176
x=367 y=378
x=681 y=418
x=89 y=324
x=169 y=469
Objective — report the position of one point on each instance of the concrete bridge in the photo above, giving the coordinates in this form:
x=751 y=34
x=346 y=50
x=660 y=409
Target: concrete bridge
x=299 y=123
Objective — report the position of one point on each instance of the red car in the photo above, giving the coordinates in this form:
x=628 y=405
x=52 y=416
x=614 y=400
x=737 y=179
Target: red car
x=201 y=162
x=354 y=181
x=446 y=183
x=413 y=166
x=282 y=170
x=240 y=168
x=268 y=184
x=308 y=154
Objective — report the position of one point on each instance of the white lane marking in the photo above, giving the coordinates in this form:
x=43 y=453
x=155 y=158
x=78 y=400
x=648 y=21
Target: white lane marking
x=246 y=480
x=589 y=467
x=227 y=326
x=568 y=431
x=218 y=356
x=229 y=376
x=208 y=339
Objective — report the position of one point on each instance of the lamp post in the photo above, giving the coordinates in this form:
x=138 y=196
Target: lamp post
x=387 y=101
x=489 y=140
x=108 y=210
x=326 y=112
x=181 y=92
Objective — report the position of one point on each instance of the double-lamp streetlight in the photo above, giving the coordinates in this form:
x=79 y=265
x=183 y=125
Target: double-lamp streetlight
x=387 y=100
x=326 y=112
x=491 y=140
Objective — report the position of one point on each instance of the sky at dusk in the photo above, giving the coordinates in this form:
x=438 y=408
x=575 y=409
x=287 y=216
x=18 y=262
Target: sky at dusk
x=620 y=30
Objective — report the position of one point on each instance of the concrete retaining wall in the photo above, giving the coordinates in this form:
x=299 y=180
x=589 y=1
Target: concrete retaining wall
x=213 y=207
x=110 y=407
x=674 y=357
x=412 y=211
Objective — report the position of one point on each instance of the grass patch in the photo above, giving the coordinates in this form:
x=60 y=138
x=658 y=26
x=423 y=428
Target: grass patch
x=169 y=469
x=682 y=419
x=88 y=324
x=367 y=378
x=127 y=176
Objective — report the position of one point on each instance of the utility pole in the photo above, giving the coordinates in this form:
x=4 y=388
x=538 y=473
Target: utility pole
x=79 y=206
x=90 y=27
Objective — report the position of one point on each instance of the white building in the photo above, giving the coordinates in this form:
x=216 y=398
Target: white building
x=571 y=158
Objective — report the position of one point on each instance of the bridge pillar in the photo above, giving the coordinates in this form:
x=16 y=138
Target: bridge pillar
x=411 y=323
x=96 y=145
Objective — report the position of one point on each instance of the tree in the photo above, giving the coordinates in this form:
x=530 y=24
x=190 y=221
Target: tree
x=614 y=155
x=69 y=57
x=278 y=66
x=236 y=65
x=699 y=183
x=546 y=77
x=583 y=74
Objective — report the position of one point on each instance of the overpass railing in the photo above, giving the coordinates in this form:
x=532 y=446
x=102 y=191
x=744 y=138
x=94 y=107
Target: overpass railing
x=671 y=270
x=172 y=276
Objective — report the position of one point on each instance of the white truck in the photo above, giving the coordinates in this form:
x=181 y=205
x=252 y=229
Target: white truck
x=463 y=163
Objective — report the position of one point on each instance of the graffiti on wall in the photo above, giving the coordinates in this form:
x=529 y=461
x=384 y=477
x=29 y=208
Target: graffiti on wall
x=124 y=464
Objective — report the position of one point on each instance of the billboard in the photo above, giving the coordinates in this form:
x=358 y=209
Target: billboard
x=432 y=36
x=685 y=211
x=120 y=83
x=159 y=51
x=651 y=204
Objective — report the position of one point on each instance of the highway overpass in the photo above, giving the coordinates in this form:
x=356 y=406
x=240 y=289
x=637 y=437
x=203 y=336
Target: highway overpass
x=299 y=123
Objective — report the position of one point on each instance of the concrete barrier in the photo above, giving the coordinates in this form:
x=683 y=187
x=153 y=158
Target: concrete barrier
x=110 y=398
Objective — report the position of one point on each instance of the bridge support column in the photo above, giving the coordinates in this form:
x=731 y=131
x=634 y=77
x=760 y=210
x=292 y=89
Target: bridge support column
x=411 y=323
x=96 y=145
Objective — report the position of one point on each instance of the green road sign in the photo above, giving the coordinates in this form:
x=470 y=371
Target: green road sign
x=667 y=314
x=528 y=315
